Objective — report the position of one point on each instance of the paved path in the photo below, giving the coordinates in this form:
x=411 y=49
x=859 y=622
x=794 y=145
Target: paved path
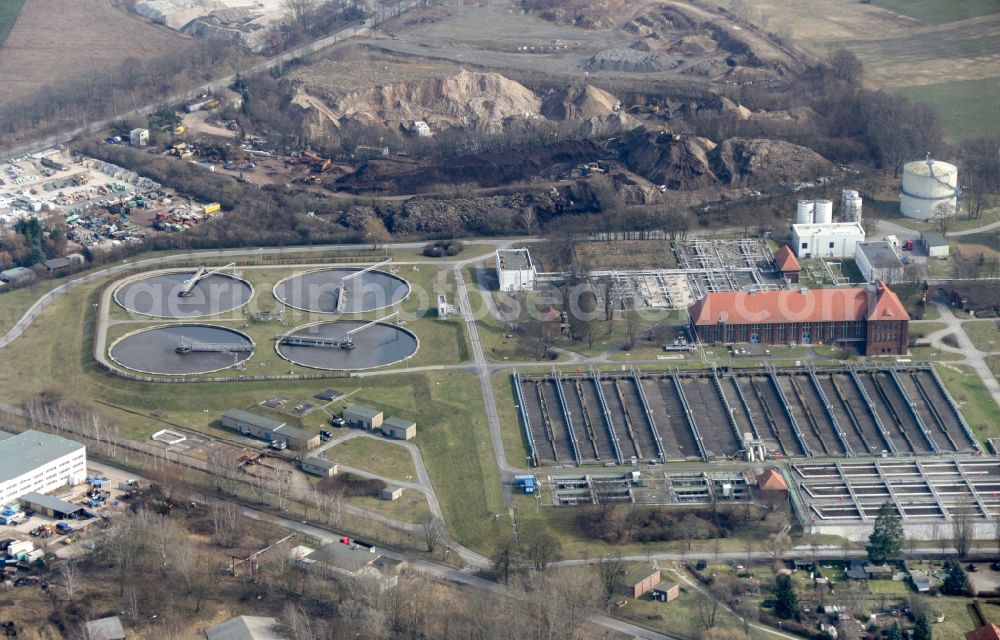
x=973 y=357
x=969 y=232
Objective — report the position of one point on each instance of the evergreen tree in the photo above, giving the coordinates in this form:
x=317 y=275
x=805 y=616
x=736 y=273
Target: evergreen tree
x=787 y=601
x=895 y=632
x=886 y=540
x=922 y=630
x=957 y=581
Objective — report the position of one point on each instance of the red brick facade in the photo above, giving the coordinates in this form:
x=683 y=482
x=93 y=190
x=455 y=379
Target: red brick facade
x=872 y=317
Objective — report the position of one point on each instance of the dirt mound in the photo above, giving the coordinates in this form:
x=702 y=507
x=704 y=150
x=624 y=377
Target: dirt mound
x=666 y=20
x=712 y=69
x=394 y=175
x=742 y=161
x=718 y=105
x=631 y=191
x=697 y=43
x=586 y=14
x=473 y=100
x=579 y=102
x=679 y=162
x=629 y=60
x=609 y=125
x=682 y=162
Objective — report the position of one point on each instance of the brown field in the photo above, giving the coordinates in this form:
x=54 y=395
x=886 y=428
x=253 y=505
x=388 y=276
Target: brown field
x=626 y=254
x=60 y=39
x=897 y=50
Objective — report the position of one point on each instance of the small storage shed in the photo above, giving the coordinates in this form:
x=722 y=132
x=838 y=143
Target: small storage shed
x=666 y=591
x=49 y=506
x=319 y=467
x=361 y=417
x=935 y=244
x=392 y=492
x=399 y=428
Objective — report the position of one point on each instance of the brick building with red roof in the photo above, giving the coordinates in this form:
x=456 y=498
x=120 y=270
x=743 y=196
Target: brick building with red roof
x=787 y=263
x=871 y=317
x=986 y=632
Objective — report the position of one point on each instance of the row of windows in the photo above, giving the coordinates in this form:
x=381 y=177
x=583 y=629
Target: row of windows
x=807 y=331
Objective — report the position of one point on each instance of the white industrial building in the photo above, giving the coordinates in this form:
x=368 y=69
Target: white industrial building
x=929 y=186
x=879 y=261
x=827 y=240
x=515 y=271
x=41 y=462
x=138 y=137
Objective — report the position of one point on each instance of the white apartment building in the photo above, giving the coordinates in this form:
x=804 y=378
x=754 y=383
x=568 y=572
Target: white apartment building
x=36 y=461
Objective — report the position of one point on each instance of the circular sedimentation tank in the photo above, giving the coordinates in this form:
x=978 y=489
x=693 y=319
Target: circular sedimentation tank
x=181 y=349
x=327 y=345
x=159 y=295
x=341 y=290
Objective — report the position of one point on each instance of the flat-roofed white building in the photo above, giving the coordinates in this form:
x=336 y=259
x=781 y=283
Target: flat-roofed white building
x=515 y=270
x=832 y=240
x=879 y=261
x=39 y=462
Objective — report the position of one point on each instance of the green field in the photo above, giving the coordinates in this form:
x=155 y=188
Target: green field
x=381 y=457
x=940 y=11
x=985 y=334
x=967 y=107
x=9 y=10
x=973 y=399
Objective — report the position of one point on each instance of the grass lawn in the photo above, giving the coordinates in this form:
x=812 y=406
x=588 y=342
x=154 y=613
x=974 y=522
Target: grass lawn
x=888 y=586
x=454 y=440
x=922 y=329
x=15 y=302
x=985 y=334
x=679 y=616
x=9 y=10
x=973 y=399
x=410 y=507
x=454 y=434
x=964 y=105
x=940 y=11
x=381 y=457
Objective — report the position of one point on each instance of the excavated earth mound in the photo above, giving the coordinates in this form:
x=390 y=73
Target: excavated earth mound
x=629 y=60
x=683 y=162
x=755 y=160
x=467 y=99
x=579 y=102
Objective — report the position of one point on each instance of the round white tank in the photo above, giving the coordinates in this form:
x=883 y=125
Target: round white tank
x=804 y=213
x=852 y=209
x=823 y=213
x=927 y=185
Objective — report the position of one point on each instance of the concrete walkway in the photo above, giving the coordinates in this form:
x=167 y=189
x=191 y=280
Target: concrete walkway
x=973 y=357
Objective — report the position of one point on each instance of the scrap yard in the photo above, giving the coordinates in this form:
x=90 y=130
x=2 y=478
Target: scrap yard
x=101 y=204
x=744 y=414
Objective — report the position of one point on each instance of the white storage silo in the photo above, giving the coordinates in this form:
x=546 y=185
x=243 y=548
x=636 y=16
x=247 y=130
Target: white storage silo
x=823 y=212
x=927 y=185
x=804 y=213
x=850 y=205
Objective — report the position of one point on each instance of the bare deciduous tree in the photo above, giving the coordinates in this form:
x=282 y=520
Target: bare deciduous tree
x=433 y=531
x=610 y=570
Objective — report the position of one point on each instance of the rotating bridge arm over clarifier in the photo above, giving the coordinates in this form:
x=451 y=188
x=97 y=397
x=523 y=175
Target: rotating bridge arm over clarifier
x=187 y=287
x=191 y=346
x=347 y=342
